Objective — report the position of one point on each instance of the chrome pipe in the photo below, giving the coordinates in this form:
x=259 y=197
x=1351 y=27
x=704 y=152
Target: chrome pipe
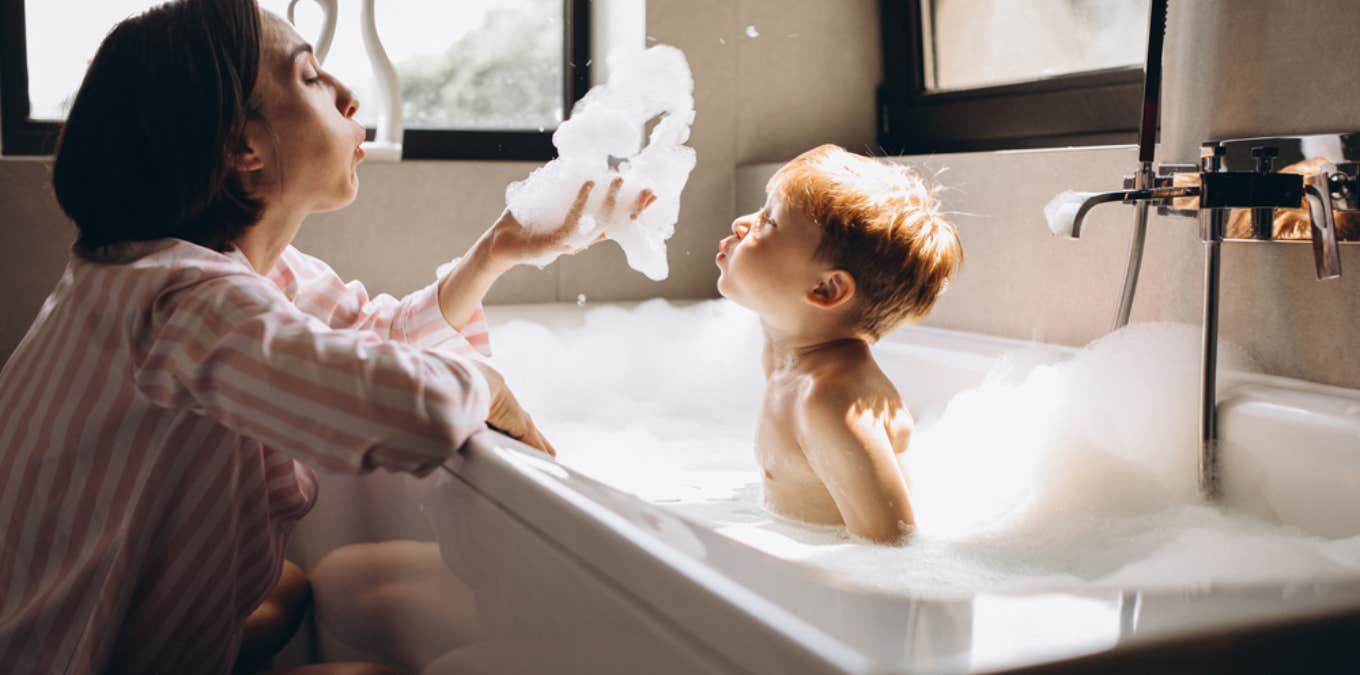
x=1213 y=221
x=1140 y=218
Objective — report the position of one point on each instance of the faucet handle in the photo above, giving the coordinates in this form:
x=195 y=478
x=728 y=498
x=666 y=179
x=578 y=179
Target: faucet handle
x=1211 y=156
x=1263 y=219
x=1326 y=254
x=1264 y=156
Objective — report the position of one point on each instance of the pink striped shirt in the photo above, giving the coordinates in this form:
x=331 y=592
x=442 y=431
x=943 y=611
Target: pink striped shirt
x=151 y=426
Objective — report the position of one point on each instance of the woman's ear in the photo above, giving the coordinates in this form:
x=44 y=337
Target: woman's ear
x=834 y=288
x=244 y=157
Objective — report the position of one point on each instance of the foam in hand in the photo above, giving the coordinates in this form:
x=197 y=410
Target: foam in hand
x=1061 y=211
x=609 y=123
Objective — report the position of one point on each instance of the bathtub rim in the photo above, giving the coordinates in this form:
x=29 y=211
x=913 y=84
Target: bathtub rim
x=614 y=542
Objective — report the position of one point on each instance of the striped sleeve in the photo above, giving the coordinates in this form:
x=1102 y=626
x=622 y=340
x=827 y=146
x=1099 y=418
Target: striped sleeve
x=415 y=319
x=233 y=348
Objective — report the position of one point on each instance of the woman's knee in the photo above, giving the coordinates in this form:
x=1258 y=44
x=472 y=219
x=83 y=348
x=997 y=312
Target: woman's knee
x=271 y=625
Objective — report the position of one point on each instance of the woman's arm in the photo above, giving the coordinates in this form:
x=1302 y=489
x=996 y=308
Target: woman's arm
x=416 y=320
x=232 y=347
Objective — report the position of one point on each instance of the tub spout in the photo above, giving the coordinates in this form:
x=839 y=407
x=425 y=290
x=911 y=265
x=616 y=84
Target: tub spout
x=1066 y=212
x=1317 y=187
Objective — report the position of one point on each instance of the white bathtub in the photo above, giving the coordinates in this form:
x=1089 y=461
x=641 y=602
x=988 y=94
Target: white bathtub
x=537 y=568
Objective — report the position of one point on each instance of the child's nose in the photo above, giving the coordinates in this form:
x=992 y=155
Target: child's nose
x=740 y=227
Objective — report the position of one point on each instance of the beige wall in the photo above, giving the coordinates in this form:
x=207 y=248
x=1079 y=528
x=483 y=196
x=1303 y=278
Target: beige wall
x=1241 y=68
x=1020 y=281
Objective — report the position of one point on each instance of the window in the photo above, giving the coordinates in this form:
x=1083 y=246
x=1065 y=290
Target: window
x=965 y=75
x=480 y=79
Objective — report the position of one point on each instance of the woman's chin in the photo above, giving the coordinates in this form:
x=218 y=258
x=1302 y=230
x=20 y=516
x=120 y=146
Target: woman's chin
x=343 y=197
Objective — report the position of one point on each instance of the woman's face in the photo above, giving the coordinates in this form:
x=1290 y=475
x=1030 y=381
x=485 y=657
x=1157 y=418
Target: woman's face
x=304 y=152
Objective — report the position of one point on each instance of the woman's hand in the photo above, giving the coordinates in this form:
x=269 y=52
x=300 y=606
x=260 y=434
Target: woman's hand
x=507 y=244
x=512 y=244
x=507 y=416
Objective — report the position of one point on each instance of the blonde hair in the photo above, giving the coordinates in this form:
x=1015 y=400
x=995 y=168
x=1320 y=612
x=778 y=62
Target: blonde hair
x=880 y=223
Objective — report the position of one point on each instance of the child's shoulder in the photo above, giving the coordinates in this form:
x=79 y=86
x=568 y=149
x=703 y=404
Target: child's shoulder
x=857 y=381
x=855 y=402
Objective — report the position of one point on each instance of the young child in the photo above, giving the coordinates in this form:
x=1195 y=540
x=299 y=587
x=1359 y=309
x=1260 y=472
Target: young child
x=845 y=250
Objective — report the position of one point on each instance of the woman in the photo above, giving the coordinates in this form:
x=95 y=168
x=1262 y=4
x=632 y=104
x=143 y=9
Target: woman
x=158 y=420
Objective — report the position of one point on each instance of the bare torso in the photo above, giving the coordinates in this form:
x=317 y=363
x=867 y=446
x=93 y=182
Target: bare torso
x=792 y=487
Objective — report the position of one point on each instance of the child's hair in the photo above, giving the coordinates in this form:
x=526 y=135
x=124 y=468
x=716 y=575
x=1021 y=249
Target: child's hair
x=880 y=223
x=145 y=151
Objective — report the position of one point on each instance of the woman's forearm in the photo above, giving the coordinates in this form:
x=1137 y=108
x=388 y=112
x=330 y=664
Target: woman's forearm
x=461 y=290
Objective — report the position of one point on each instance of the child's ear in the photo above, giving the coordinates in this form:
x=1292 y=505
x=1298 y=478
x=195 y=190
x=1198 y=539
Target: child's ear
x=835 y=288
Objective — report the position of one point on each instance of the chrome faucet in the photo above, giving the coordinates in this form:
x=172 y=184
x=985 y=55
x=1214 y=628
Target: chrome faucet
x=1212 y=196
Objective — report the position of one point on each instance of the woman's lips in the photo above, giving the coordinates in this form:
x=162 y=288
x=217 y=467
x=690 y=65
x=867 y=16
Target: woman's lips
x=359 y=151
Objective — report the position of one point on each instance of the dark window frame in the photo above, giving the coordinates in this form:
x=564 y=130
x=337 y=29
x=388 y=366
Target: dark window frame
x=20 y=135
x=1092 y=108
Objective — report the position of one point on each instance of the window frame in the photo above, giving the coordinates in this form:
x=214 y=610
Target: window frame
x=20 y=135
x=1090 y=108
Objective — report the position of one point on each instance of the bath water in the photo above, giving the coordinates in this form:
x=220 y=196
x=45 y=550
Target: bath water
x=1051 y=474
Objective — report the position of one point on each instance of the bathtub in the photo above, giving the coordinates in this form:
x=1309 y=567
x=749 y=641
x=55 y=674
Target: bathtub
x=520 y=564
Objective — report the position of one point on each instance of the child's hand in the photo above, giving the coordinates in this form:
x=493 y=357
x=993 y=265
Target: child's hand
x=506 y=415
x=512 y=244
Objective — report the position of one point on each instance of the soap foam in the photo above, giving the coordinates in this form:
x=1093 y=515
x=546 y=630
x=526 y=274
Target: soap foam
x=651 y=86
x=1078 y=473
x=1061 y=211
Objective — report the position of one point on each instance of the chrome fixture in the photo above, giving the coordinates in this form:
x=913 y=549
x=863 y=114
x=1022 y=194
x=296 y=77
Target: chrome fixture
x=1238 y=194
x=1147 y=140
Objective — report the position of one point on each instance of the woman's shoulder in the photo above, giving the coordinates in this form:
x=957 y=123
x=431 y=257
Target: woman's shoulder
x=167 y=254
x=152 y=268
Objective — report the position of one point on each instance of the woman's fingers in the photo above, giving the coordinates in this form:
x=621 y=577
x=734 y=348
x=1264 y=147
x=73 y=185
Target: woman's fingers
x=524 y=431
x=578 y=207
x=644 y=199
x=536 y=440
x=568 y=230
x=611 y=199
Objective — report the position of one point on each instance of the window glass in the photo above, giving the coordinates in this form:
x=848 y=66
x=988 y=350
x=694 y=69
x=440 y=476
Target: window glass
x=469 y=64
x=61 y=39
x=977 y=43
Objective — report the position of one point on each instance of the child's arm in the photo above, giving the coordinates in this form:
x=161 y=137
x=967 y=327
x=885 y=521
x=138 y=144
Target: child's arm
x=847 y=443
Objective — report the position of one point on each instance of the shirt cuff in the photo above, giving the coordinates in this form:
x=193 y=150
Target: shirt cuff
x=425 y=326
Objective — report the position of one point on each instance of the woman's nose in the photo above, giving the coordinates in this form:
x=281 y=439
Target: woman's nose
x=346 y=101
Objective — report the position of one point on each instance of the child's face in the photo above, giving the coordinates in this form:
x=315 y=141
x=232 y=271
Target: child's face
x=768 y=264
x=308 y=149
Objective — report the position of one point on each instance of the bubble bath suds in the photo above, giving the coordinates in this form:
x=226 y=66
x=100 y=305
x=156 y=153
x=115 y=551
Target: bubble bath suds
x=651 y=86
x=1048 y=475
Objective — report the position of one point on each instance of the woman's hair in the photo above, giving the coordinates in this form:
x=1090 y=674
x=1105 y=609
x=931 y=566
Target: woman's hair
x=146 y=149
